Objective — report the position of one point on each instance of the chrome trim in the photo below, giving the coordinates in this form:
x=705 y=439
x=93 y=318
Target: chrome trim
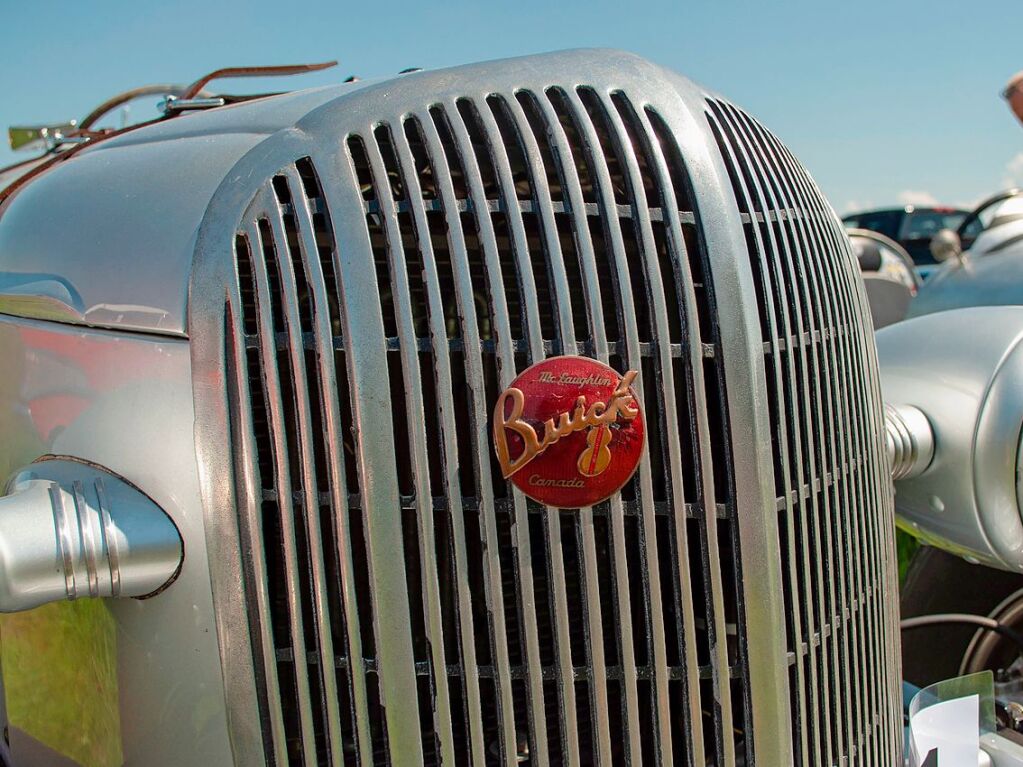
x=39 y=529
x=63 y=526
x=909 y=440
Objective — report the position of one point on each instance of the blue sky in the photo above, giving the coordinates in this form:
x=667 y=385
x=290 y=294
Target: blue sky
x=884 y=102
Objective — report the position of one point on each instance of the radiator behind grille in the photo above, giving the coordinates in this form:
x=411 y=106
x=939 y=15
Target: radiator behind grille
x=397 y=601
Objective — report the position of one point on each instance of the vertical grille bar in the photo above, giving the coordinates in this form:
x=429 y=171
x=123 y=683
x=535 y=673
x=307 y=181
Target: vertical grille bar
x=782 y=277
x=595 y=319
x=306 y=471
x=503 y=350
x=323 y=347
x=250 y=503
x=453 y=496
x=776 y=333
x=831 y=624
x=629 y=674
x=671 y=205
x=614 y=234
x=282 y=484
x=565 y=331
x=534 y=338
x=868 y=604
x=826 y=303
x=868 y=385
x=665 y=404
x=862 y=673
x=369 y=381
x=479 y=431
x=860 y=491
x=420 y=466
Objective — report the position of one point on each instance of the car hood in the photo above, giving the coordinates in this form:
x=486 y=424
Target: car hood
x=106 y=238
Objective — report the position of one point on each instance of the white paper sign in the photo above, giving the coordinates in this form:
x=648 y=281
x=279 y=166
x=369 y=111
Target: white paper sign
x=946 y=734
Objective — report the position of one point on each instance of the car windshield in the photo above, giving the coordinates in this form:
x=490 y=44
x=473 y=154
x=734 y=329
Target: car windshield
x=924 y=224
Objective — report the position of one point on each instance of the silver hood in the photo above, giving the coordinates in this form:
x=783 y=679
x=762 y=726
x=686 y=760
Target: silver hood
x=106 y=238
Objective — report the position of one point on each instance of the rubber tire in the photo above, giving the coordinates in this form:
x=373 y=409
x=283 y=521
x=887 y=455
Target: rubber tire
x=938 y=582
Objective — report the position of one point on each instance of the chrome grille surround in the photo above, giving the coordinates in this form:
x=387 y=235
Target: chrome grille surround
x=583 y=193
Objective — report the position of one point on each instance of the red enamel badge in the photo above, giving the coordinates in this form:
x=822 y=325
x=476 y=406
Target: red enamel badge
x=569 y=431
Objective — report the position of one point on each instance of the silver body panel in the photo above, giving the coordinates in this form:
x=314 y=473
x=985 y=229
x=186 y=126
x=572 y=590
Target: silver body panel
x=123 y=402
x=963 y=369
x=983 y=280
x=129 y=209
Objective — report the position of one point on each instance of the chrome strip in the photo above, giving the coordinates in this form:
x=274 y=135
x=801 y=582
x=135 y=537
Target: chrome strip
x=64 y=541
x=743 y=366
x=813 y=251
x=886 y=600
x=480 y=414
x=665 y=404
x=87 y=538
x=371 y=408
x=523 y=545
x=797 y=430
x=595 y=317
x=691 y=329
x=446 y=419
x=108 y=539
x=632 y=358
x=416 y=420
x=787 y=273
x=307 y=461
x=865 y=674
x=251 y=522
x=324 y=348
x=565 y=336
x=282 y=475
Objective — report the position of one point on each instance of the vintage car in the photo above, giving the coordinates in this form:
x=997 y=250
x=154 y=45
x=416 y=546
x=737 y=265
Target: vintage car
x=889 y=275
x=525 y=412
x=912 y=226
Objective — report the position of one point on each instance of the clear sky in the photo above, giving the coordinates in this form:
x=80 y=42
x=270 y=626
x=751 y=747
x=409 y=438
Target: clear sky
x=885 y=101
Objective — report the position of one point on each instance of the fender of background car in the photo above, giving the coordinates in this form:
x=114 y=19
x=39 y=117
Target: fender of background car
x=994 y=280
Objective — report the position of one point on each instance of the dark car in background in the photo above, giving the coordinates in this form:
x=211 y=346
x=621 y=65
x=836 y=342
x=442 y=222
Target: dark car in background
x=910 y=226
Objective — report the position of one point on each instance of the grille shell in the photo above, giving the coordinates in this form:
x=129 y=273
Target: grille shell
x=597 y=163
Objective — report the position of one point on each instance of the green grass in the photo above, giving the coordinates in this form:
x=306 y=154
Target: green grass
x=906 y=546
x=60 y=679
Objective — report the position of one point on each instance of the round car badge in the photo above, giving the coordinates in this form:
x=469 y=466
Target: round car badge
x=569 y=431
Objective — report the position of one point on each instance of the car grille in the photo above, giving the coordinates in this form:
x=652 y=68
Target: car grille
x=397 y=601
x=834 y=511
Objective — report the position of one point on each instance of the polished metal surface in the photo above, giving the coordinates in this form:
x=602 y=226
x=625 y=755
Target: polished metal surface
x=366 y=284
x=995 y=280
x=173 y=104
x=123 y=401
x=107 y=538
x=129 y=209
x=966 y=383
x=909 y=439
